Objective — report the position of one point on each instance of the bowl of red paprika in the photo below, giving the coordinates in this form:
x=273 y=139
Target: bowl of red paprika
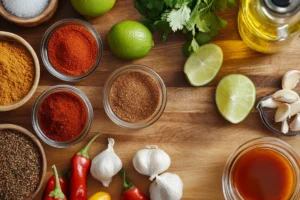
x=71 y=49
x=62 y=116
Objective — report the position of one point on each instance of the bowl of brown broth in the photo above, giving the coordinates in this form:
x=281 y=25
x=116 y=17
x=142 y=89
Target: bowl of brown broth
x=264 y=168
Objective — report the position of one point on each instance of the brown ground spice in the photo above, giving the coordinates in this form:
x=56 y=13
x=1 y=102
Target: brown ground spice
x=20 y=164
x=134 y=96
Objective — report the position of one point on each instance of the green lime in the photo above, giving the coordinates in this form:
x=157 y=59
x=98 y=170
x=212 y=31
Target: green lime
x=130 y=40
x=235 y=97
x=92 y=8
x=202 y=66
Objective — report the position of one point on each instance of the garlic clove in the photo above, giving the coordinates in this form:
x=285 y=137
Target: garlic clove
x=283 y=112
x=284 y=127
x=286 y=96
x=295 y=125
x=295 y=108
x=290 y=79
x=270 y=103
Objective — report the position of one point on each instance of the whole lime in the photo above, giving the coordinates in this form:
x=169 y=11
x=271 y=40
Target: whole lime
x=130 y=40
x=92 y=8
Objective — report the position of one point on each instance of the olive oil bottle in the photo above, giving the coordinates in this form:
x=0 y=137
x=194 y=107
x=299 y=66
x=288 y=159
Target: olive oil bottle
x=269 y=26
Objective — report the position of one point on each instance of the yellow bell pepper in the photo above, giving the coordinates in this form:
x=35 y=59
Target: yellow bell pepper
x=100 y=196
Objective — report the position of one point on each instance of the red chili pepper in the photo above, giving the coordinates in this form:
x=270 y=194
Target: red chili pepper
x=57 y=193
x=63 y=181
x=80 y=166
x=130 y=191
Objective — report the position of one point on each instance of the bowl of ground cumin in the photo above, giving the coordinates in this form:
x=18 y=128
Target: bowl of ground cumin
x=134 y=96
x=71 y=50
x=19 y=71
x=23 y=163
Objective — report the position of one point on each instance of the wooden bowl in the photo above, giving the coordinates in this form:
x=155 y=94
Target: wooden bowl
x=15 y=38
x=24 y=131
x=29 y=22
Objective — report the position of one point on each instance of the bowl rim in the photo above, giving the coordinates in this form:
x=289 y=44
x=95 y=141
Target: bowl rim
x=137 y=125
x=44 y=49
x=34 y=139
x=13 y=37
x=35 y=121
x=276 y=144
x=46 y=14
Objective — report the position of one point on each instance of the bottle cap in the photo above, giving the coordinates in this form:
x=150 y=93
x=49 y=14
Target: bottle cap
x=284 y=7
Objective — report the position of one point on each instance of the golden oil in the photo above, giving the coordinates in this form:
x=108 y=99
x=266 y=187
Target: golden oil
x=269 y=26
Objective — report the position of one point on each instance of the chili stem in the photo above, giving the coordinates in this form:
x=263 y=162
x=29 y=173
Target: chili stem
x=126 y=183
x=84 y=152
x=57 y=192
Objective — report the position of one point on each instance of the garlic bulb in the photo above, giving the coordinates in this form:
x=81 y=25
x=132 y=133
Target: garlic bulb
x=166 y=187
x=151 y=161
x=106 y=164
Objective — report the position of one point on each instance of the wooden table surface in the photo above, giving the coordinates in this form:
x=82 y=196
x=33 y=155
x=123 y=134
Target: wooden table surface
x=191 y=130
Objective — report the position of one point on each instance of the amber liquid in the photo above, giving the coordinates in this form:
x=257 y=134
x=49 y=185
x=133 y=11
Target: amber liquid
x=263 y=174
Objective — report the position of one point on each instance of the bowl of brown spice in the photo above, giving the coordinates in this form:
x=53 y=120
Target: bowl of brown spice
x=23 y=163
x=19 y=71
x=134 y=96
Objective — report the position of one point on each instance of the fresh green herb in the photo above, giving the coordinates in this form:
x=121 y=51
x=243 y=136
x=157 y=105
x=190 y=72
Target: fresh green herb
x=195 y=18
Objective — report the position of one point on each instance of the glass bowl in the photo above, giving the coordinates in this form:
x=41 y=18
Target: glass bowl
x=40 y=100
x=274 y=144
x=155 y=116
x=44 y=49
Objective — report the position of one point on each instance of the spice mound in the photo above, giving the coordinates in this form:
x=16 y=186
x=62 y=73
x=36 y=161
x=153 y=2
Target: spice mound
x=20 y=164
x=25 y=8
x=72 y=50
x=62 y=116
x=134 y=96
x=16 y=72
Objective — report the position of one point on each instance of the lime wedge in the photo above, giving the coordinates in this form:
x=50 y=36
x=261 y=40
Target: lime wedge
x=235 y=97
x=202 y=66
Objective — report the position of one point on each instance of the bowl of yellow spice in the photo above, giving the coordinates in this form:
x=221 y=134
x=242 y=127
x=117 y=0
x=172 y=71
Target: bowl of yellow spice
x=19 y=71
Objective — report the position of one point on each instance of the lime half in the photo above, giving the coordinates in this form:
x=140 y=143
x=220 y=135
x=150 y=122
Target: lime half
x=235 y=97
x=202 y=66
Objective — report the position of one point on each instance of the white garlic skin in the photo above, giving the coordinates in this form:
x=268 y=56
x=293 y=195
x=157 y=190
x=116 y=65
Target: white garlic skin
x=166 y=187
x=151 y=161
x=106 y=165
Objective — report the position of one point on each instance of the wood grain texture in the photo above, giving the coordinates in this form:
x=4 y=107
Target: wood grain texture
x=191 y=130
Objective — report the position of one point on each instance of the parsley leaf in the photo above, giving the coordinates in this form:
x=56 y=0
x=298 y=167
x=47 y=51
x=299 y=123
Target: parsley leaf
x=195 y=18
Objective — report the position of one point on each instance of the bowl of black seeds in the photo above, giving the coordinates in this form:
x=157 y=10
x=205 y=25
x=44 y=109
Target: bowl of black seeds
x=22 y=163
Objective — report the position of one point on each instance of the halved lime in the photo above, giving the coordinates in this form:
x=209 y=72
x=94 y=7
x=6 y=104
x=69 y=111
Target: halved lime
x=235 y=97
x=202 y=66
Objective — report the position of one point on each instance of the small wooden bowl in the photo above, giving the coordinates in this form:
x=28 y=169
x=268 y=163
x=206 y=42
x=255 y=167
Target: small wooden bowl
x=24 y=131
x=6 y=36
x=29 y=22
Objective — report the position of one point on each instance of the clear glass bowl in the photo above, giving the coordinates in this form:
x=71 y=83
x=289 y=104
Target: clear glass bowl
x=44 y=49
x=40 y=100
x=277 y=145
x=157 y=113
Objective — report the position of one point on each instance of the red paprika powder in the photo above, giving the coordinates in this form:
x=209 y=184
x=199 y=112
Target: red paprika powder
x=62 y=116
x=72 y=50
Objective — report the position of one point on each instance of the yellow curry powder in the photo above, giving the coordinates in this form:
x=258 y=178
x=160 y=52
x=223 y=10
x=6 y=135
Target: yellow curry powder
x=16 y=72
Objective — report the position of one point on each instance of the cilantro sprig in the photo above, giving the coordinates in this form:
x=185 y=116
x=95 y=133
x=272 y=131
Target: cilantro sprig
x=197 y=19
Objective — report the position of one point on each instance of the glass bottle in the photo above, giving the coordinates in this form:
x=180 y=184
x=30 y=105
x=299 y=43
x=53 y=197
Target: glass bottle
x=269 y=26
